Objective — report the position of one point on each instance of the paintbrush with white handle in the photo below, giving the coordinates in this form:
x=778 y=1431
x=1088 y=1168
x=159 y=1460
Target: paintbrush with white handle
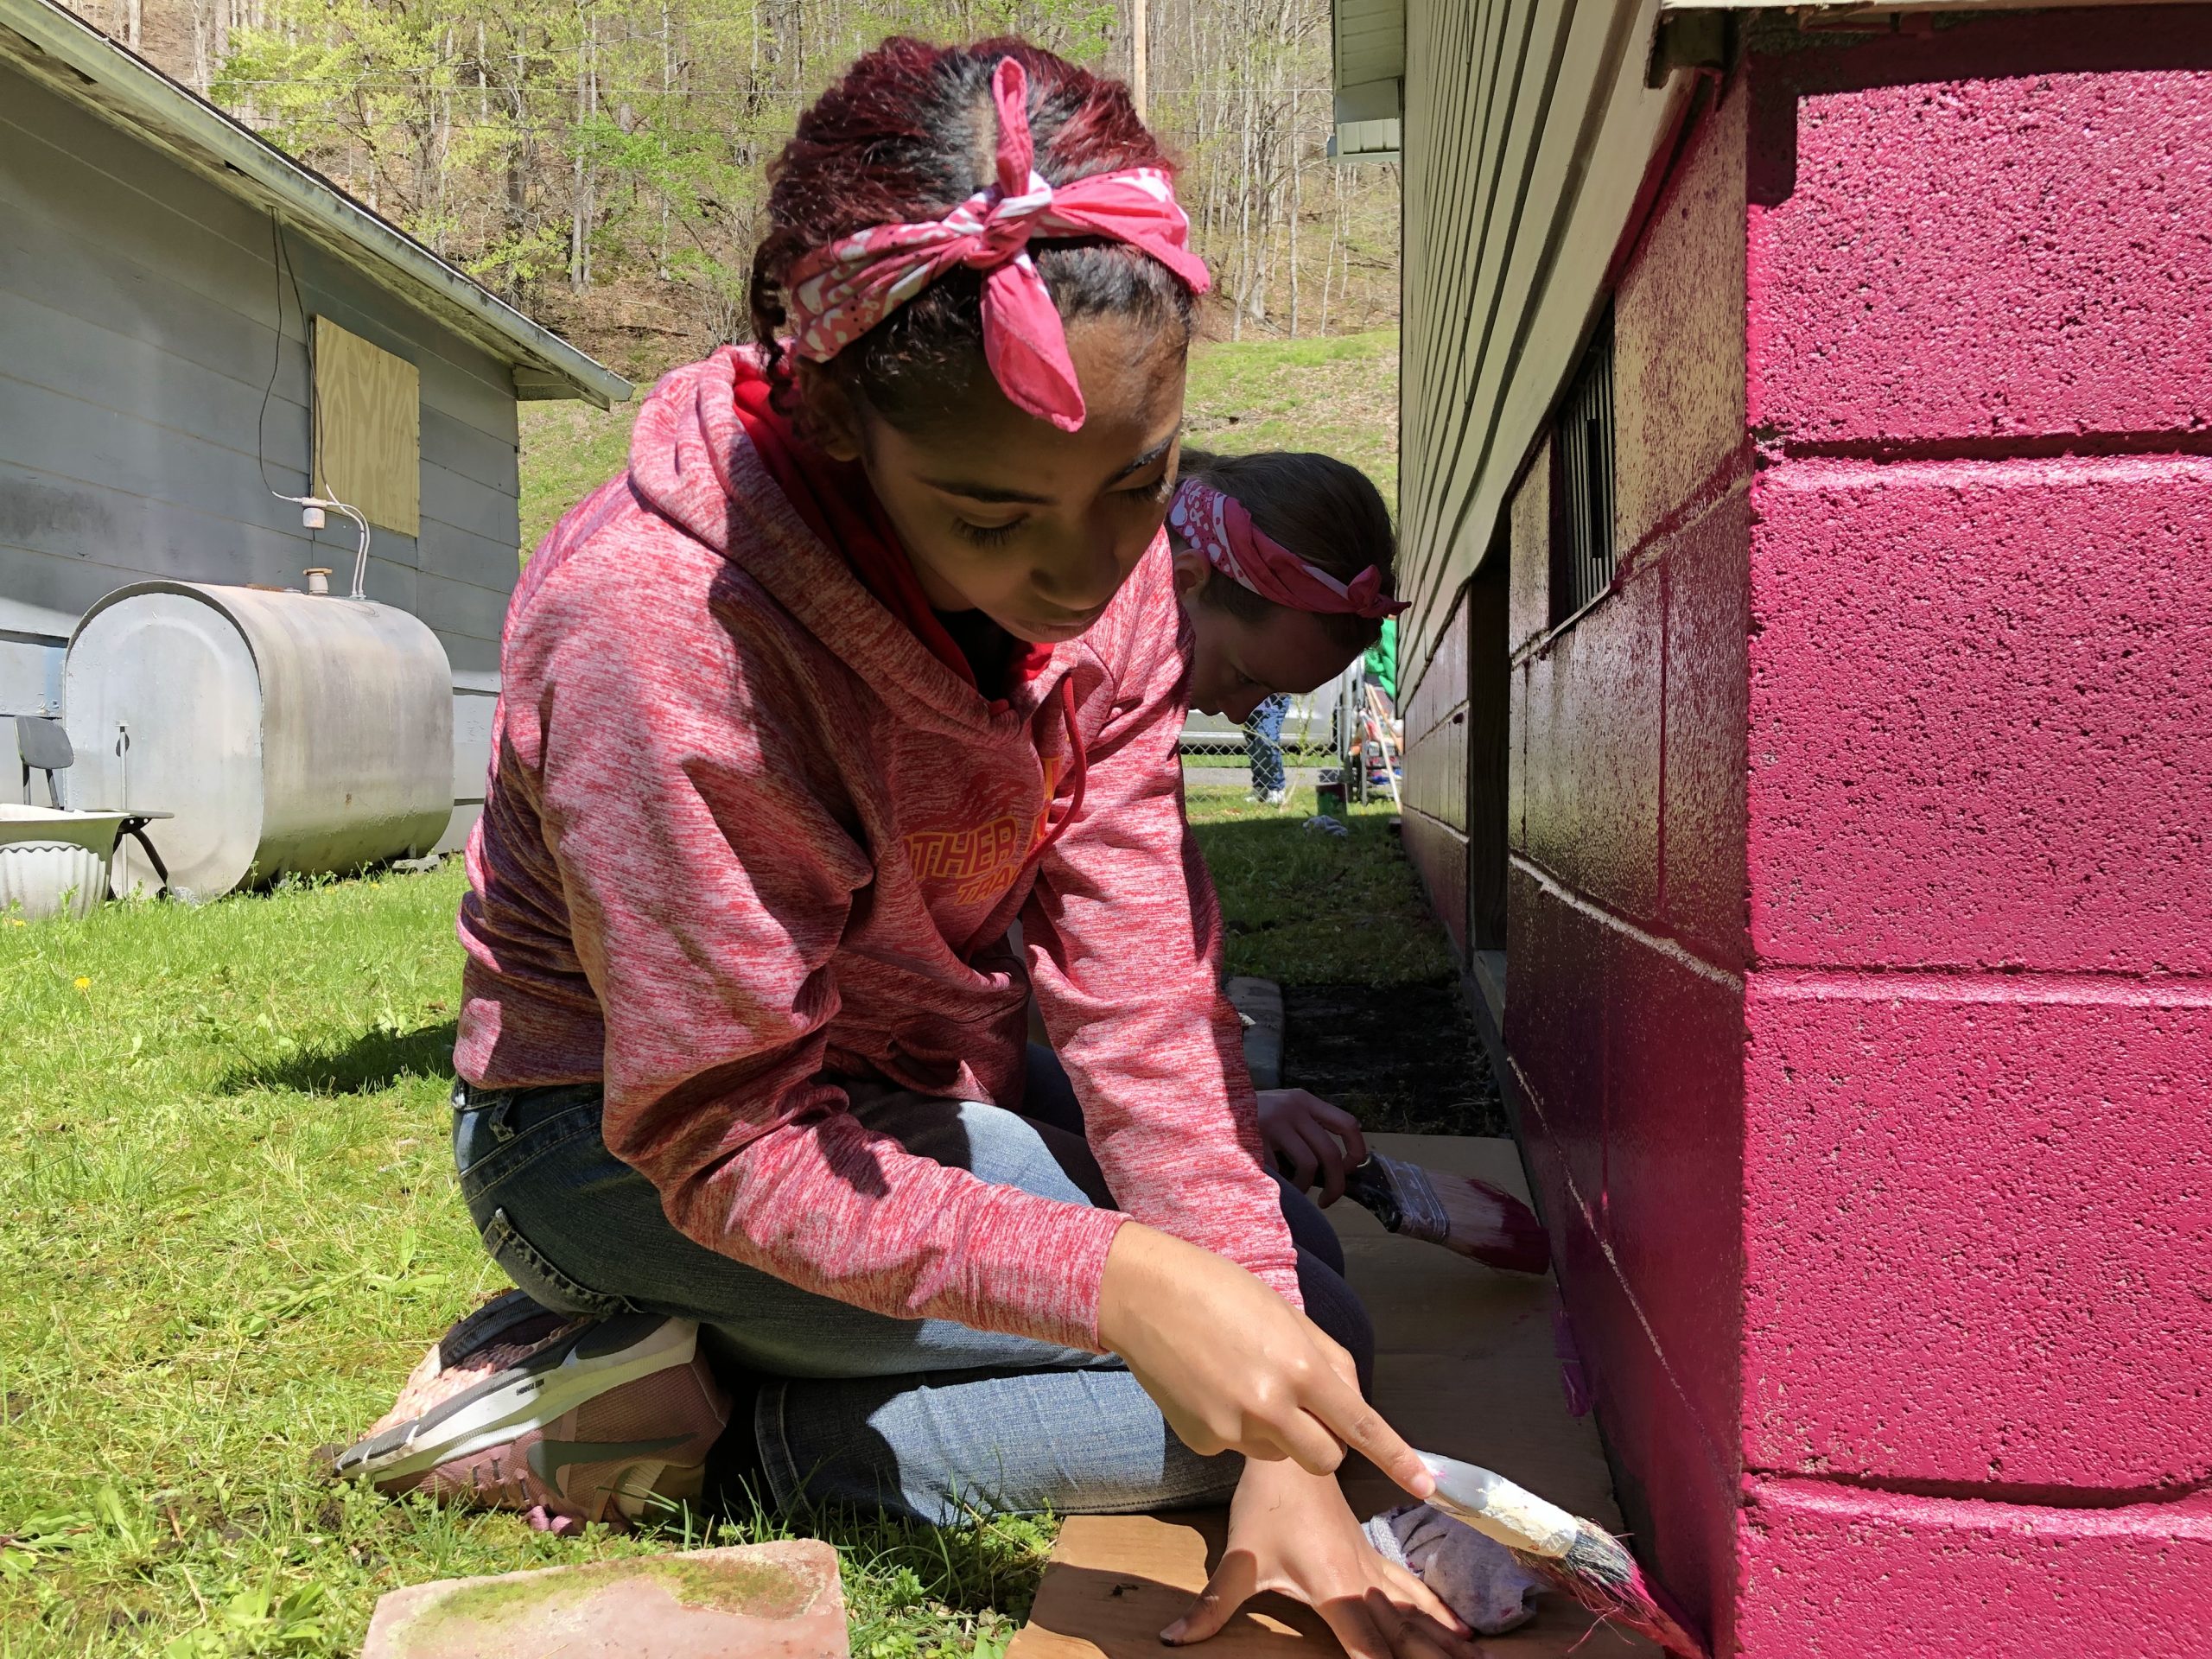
x=1579 y=1556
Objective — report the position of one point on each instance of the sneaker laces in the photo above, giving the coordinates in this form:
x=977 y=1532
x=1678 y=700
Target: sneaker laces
x=433 y=1380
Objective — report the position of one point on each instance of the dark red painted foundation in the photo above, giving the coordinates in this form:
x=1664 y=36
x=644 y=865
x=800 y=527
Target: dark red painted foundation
x=1858 y=885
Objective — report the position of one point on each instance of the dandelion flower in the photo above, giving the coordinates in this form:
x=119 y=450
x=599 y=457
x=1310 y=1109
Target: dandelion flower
x=83 y=984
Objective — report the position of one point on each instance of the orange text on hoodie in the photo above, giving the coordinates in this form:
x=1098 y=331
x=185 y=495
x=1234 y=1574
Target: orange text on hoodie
x=746 y=836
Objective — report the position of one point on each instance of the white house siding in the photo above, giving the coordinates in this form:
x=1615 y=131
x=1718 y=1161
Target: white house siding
x=138 y=307
x=1528 y=137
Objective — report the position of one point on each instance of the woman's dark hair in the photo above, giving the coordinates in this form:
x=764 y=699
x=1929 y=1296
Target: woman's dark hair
x=1325 y=510
x=908 y=134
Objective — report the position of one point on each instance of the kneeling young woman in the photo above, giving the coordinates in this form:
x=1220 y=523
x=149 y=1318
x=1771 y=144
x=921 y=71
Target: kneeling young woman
x=872 y=650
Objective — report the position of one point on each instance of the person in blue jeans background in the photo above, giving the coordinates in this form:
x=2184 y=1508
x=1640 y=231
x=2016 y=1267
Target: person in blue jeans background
x=1263 y=748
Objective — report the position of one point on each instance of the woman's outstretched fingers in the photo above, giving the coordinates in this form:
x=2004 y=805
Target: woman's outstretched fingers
x=1376 y=1627
x=1362 y=1428
x=1233 y=1583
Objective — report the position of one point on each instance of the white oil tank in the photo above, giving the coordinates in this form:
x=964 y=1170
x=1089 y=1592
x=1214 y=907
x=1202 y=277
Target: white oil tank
x=288 y=733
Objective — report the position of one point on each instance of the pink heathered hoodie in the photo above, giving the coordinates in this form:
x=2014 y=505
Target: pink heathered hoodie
x=746 y=835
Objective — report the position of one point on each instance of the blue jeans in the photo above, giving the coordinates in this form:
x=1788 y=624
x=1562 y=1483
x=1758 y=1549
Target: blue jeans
x=924 y=1416
x=1264 y=743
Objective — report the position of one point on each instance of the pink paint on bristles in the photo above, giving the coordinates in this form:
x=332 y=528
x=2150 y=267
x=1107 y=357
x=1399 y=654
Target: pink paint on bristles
x=1605 y=1579
x=1575 y=1555
x=1469 y=1217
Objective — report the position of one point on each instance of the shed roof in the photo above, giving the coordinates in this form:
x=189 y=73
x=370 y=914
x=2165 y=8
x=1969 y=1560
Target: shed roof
x=1367 y=48
x=63 y=52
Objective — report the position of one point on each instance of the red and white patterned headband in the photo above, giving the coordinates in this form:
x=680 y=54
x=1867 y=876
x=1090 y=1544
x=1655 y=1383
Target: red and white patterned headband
x=840 y=292
x=1219 y=527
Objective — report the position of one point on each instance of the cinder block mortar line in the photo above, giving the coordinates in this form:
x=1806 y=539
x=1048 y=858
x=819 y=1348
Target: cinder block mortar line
x=1673 y=948
x=1716 y=489
x=2019 y=471
x=1724 y=1464
x=2076 y=985
x=2190 y=1518
x=2194 y=1499
x=2055 y=446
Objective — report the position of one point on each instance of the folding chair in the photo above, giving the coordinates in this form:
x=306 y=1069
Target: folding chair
x=45 y=747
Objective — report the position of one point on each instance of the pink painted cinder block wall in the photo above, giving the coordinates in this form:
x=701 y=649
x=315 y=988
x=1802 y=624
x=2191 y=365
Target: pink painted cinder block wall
x=1861 y=926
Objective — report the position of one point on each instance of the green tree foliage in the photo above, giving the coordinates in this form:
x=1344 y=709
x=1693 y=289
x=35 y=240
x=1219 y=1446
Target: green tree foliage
x=602 y=162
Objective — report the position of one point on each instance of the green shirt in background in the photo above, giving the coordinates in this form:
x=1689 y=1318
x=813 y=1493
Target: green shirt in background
x=1382 y=658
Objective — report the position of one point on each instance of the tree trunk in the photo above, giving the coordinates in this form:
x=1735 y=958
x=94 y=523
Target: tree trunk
x=1141 y=58
x=1297 y=205
x=581 y=215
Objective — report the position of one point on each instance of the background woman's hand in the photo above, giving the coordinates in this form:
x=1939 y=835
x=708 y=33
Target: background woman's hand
x=1292 y=1533
x=1234 y=1366
x=1311 y=1138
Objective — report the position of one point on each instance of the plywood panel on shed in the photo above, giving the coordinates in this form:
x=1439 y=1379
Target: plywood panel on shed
x=368 y=429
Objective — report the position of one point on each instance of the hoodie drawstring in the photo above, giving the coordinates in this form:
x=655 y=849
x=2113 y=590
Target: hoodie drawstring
x=1078 y=768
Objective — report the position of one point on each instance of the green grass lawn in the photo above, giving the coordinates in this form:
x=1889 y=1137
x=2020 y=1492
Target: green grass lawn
x=1306 y=907
x=1338 y=394
x=230 y=1225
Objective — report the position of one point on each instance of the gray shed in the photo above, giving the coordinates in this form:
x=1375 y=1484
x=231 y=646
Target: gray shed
x=162 y=268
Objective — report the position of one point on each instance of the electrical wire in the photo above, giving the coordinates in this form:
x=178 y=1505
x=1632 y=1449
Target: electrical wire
x=281 y=265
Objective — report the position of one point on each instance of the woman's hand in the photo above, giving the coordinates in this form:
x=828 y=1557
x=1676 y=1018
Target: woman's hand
x=1293 y=1533
x=1234 y=1366
x=1312 y=1138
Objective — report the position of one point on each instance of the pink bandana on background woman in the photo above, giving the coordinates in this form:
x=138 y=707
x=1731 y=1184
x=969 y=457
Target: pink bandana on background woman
x=1221 y=527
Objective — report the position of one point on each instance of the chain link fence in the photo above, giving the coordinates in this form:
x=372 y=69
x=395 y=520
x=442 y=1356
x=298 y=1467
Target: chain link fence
x=1316 y=732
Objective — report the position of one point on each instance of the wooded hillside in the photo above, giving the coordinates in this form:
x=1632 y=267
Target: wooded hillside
x=599 y=161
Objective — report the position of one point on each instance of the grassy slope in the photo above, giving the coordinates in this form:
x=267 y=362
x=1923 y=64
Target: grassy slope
x=1339 y=395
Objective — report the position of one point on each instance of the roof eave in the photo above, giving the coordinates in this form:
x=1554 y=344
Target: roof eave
x=86 y=66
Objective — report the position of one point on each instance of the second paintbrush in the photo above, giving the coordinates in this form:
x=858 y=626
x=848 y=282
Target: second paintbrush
x=1463 y=1214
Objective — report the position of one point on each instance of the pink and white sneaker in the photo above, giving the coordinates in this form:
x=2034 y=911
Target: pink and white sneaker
x=568 y=1420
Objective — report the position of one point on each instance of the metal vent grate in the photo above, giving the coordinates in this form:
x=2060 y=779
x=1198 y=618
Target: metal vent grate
x=1584 y=570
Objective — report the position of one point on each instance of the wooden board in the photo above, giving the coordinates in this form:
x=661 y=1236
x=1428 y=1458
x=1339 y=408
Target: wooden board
x=368 y=429
x=1465 y=1366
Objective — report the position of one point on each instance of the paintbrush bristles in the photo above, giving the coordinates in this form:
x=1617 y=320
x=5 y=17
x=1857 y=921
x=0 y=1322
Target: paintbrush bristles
x=1491 y=1226
x=1464 y=1214
x=1599 y=1573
